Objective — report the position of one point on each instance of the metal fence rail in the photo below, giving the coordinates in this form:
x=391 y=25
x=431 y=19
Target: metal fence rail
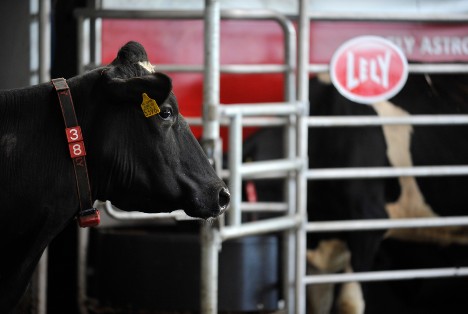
x=387 y=275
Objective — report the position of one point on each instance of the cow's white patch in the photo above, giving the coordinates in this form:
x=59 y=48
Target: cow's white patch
x=330 y=256
x=411 y=202
x=324 y=77
x=147 y=66
x=8 y=144
x=350 y=297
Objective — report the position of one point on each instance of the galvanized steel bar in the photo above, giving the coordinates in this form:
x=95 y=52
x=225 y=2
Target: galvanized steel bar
x=260 y=227
x=125 y=215
x=80 y=45
x=246 y=122
x=210 y=245
x=387 y=275
x=385 y=172
x=389 y=17
x=303 y=96
x=44 y=41
x=235 y=166
x=210 y=240
x=359 y=121
x=83 y=241
x=254 y=109
x=382 y=224
x=254 y=68
x=40 y=277
x=277 y=166
x=429 y=68
x=288 y=251
x=228 y=68
x=211 y=82
x=264 y=207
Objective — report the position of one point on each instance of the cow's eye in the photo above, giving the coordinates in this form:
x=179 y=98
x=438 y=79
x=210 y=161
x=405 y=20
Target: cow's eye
x=166 y=113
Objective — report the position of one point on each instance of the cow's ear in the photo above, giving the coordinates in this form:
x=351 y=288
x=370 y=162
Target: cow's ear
x=156 y=85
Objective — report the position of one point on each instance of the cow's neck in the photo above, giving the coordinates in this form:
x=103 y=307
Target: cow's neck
x=37 y=185
x=33 y=144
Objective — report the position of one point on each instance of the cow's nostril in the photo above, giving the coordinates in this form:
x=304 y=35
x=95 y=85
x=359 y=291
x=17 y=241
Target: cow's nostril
x=224 y=198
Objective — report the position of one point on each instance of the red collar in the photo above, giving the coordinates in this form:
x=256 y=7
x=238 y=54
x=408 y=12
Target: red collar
x=88 y=216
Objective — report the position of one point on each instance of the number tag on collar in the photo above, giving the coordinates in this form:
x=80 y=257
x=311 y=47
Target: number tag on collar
x=149 y=106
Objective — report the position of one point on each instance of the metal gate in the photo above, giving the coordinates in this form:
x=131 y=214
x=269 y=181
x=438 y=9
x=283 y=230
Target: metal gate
x=354 y=173
x=293 y=114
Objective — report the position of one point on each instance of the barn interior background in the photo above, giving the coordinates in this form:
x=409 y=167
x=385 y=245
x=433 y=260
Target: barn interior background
x=260 y=63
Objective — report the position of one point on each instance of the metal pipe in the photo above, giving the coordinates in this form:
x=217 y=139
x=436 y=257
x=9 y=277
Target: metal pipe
x=124 y=215
x=40 y=280
x=384 y=172
x=235 y=166
x=251 y=109
x=430 y=68
x=254 y=68
x=246 y=122
x=210 y=245
x=209 y=235
x=388 y=17
x=44 y=41
x=211 y=74
x=387 y=275
x=303 y=97
x=264 y=207
x=83 y=240
x=44 y=76
x=80 y=45
x=260 y=227
x=360 y=121
x=231 y=14
x=227 y=68
x=278 y=165
x=382 y=224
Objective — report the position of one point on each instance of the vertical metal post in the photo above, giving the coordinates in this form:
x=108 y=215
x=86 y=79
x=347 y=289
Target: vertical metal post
x=288 y=257
x=44 y=41
x=80 y=44
x=235 y=163
x=210 y=246
x=40 y=293
x=210 y=237
x=303 y=97
x=83 y=238
x=92 y=34
x=210 y=136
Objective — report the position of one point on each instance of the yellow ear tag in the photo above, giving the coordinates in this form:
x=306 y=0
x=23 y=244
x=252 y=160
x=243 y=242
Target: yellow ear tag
x=149 y=106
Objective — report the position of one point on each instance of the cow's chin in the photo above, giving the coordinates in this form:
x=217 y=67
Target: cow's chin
x=202 y=213
x=147 y=206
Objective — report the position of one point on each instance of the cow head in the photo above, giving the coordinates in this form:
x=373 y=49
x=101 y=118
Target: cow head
x=154 y=163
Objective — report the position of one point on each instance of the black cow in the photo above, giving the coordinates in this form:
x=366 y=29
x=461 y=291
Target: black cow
x=378 y=198
x=151 y=164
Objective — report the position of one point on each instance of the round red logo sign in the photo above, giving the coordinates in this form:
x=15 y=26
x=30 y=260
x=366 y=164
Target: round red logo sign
x=368 y=69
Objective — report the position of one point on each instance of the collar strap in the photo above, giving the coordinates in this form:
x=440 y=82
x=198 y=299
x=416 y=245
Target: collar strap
x=88 y=216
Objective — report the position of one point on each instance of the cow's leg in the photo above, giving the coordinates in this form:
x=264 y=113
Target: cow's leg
x=330 y=256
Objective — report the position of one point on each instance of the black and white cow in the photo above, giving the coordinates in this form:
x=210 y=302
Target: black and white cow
x=151 y=164
x=398 y=146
